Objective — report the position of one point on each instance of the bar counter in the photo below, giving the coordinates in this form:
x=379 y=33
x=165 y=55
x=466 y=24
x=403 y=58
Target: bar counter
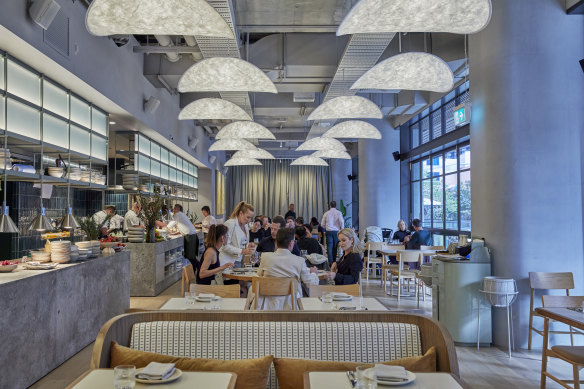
x=47 y=316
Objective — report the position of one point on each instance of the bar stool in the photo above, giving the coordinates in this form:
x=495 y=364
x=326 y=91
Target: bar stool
x=500 y=293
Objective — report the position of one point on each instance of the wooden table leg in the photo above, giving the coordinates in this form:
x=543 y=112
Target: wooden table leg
x=546 y=325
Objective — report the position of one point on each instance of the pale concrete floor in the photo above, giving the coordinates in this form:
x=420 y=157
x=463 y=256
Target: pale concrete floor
x=486 y=368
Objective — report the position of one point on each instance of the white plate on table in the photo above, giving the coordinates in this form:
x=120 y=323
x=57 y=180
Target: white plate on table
x=206 y=299
x=177 y=373
x=370 y=373
x=342 y=298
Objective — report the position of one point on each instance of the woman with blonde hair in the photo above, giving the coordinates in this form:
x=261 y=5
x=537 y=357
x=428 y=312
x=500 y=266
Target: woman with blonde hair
x=238 y=235
x=347 y=270
x=402 y=231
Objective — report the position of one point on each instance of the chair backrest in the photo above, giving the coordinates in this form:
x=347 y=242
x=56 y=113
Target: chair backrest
x=188 y=277
x=409 y=256
x=318 y=290
x=437 y=248
x=387 y=233
x=226 y=291
x=562 y=301
x=274 y=286
x=372 y=247
x=395 y=247
x=546 y=280
x=373 y=234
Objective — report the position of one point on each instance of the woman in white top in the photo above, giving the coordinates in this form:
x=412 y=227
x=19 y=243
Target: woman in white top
x=238 y=235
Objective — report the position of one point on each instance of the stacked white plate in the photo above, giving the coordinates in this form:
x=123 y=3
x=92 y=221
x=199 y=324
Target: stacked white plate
x=61 y=251
x=135 y=234
x=130 y=181
x=74 y=173
x=98 y=178
x=89 y=248
x=5 y=153
x=144 y=188
x=83 y=253
x=95 y=249
x=85 y=175
x=55 y=171
x=74 y=253
x=40 y=255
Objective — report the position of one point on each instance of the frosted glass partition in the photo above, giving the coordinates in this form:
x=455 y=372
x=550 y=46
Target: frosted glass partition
x=2 y=73
x=23 y=120
x=55 y=99
x=24 y=83
x=80 y=112
x=155 y=168
x=179 y=163
x=172 y=159
x=155 y=151
x=143 y=145
x=98 y=121
x=55 y=131
x=195 y=171
x=164 y=172
x=143 y=164
x=79 y=139
x=196 y=183
x=172 y=175
x=164 y=155
x=98 y=147
x=2 y=117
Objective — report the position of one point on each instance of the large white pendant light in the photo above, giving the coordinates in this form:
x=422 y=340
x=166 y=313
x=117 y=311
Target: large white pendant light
x=153 y=17
x=334 y=154
x=455 y=16
x=320 y=143
x=346 y=107
x=309 y=160
x=231 y=144
x=224 y=74
x=243 y=162
x=257 y=154
x=353 y=129
x=213 y=109
x=409 y=71
x=244 y=130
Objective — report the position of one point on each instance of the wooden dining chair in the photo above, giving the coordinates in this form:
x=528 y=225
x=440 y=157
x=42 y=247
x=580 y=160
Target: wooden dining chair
x=274 y=286
x=547 y=280
x=371 y=257
x=225 y=291
x=188 y=278
x=386 y=265
x=404 y=257
x=432 y=248
x=318 y=290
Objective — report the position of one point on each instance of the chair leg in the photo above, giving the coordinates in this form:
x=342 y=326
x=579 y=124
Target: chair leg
x=478 y=321
x=544 y=353
x=530 y=330
x=576 y=377
x=571 y=336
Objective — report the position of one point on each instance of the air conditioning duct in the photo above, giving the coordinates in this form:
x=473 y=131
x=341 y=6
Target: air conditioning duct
x=303 y=97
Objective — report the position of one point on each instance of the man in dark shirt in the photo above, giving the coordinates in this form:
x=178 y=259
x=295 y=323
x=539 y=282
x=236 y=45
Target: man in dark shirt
x=306 y=241
x=420 y=238
x=268 y=244
x=290 y=212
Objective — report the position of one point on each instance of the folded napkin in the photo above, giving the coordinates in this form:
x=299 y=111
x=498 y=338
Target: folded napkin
x=206 y=295
x=156 y=371
x=316 y=259
x=391 y=373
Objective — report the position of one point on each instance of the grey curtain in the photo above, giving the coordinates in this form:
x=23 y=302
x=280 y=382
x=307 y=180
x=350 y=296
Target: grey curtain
x=272 y=187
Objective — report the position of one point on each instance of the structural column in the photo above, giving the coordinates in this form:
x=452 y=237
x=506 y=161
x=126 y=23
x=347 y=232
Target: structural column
x=527 y=94
x=379 y=179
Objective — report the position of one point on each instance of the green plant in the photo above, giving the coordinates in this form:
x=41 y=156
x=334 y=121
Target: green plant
x=193 y=217
x=151 y=210
x=343 y=210
x=90 y=227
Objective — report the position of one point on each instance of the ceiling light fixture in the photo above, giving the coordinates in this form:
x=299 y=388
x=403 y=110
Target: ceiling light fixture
x=320 y=143
x=243 y=162
x=257 y=154
x=334 y=154
x=353 y=129
x=244 y=130
x=409 y=71
x=309 y=160
x=346 y=107
x=454 y=16
x=232 y=144
x=213 y=109
x=223 y=74
x=153 y=17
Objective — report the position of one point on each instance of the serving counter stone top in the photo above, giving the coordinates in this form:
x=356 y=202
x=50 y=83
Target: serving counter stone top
x=47 y=316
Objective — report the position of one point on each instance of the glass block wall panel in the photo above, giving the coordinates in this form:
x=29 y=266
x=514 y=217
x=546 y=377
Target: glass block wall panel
x=24 y=83
x=449 y=117
x=2 y=116
x=98 y=147
x=55 y=99
x=196 y=171
x=144 y=145
x=79 y=139
x=55 y=131
x=172 y=176
x=196 y=183
x=154 y=151
x=155 y=168
x=164 y=172
x=436 y=124
x=98 y=121
x=172 y=159
x=143 y=164
x=80 y=112
x=425 y=129
x=2 y=73
x=179 y=164
x=164 y=155
x=23 y=120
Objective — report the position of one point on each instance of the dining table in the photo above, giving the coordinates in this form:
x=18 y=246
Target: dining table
x=340 y=380
x=248 y=274
x=181 y=304
x=104 y=378
x=315 y=304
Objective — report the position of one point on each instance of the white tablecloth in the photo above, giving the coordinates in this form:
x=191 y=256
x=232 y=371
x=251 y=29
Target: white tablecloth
x=227 y=304
x=104 y=378
x=339 y=380
x=315 y=304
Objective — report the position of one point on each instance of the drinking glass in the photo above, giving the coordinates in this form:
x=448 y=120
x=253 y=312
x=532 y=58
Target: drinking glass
x=216 y=303
x=124 y=377
x=303 y=253
x=190 y=297
x=363 y=382
x=327 y=298
x=254 y=259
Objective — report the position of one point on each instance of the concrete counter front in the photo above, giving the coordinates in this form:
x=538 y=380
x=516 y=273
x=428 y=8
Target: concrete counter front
x=154 y=266
x=47 y=316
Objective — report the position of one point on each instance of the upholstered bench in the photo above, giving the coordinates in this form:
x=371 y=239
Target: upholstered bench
x=339 y=336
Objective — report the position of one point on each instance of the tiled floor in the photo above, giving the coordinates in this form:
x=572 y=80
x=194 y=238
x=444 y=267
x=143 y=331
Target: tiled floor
x=488 y=368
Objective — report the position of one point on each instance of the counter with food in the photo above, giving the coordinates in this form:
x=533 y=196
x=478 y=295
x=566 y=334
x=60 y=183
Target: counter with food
x=50 y=315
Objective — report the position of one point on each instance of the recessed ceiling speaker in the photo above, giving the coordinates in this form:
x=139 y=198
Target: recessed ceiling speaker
x=396 y=155
x=43 y=12
x=151 y=104
x=212 y=159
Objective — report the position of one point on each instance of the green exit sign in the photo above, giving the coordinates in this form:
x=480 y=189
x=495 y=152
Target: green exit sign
x=461 y=115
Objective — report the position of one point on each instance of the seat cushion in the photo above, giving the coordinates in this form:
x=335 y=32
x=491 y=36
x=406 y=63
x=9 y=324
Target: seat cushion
x=573 y=353
x=290 y=372
x=251 y=373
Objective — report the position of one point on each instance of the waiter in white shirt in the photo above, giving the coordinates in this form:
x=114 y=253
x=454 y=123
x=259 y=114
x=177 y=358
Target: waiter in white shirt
x=100 y=217
x=189 y=233
x=131 y=218
x=208 y=219
x=333 y=222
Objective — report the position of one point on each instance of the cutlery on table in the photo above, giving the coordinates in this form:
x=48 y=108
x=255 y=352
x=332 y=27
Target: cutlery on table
x=352 y=379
